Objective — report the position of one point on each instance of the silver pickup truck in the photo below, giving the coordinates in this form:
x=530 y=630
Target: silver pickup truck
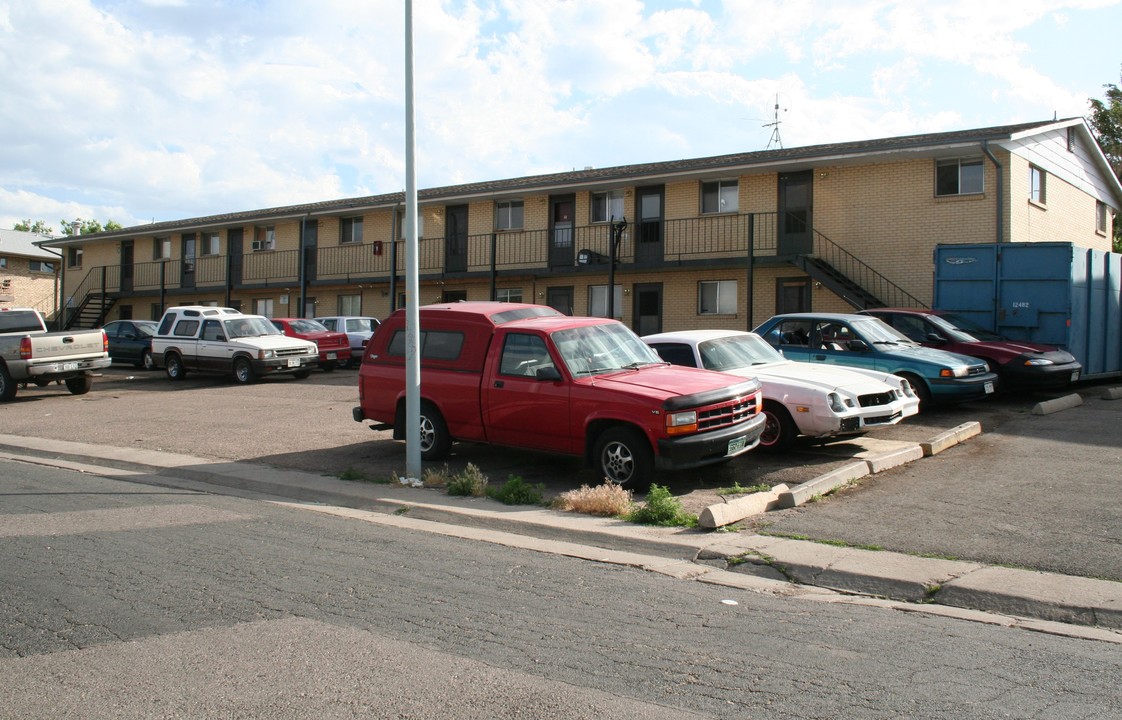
x=29 y=354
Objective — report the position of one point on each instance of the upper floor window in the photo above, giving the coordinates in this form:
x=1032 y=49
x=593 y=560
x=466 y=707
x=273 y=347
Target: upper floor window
x=350 y=230
x=161 y=247
x=720 y=196
x=958 y=176
x=74 y=257
x=40 y=266
x=1037 y=182
x=264 y=238
x=716 y=297
x=606 y=206
x=1102 y=218
x=401 y=224
x=209 y=243
x=508 y=215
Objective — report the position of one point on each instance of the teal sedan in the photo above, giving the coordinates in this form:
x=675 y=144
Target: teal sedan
x=861 y=341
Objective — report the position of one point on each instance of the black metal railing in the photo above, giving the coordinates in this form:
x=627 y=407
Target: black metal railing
x=861 y=274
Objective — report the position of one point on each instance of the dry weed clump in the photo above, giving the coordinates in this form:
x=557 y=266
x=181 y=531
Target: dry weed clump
x=608 y=500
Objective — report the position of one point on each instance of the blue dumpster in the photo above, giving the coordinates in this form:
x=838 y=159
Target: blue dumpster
x=1053 y=293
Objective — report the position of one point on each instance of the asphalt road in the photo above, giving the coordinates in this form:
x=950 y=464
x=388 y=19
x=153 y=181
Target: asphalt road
x=1032 y=491
x=123 y=600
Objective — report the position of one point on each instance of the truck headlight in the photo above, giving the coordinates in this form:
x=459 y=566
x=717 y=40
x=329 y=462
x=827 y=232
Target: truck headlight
x=681 y=423
x=266 y=354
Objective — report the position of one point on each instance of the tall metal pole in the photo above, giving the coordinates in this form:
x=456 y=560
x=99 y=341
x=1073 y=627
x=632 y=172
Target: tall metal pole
x=412 y=291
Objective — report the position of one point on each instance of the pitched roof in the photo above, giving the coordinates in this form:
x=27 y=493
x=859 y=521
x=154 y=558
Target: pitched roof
x=927 y=144
x=16 y=242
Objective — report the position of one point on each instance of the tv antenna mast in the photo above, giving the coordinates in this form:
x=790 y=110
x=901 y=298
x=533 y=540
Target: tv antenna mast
x=774 y=125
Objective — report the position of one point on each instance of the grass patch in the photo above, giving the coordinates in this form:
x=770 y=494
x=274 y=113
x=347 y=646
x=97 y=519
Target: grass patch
x=471 y=482
x=662 y=509
x=738 y=489
x=607 y=500
x=516 y=491
x=353 y=475
x=435 y=477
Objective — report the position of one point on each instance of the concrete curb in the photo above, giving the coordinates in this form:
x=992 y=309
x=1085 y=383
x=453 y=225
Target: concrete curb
x=823 y=484
x=950 y=438
x=1047 y=407
x=739 y=508
x=1112 y=393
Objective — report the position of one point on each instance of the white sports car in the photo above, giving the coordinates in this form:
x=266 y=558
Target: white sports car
x=799 y=398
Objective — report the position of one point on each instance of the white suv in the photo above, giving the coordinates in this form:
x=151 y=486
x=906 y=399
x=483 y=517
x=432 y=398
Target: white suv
x=359 y=330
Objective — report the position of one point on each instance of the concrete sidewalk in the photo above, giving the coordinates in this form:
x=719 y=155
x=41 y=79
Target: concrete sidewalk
x=713 y=556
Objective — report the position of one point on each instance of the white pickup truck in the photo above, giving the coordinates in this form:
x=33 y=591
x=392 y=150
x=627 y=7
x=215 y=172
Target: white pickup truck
x=31 y=355
x=223 y=340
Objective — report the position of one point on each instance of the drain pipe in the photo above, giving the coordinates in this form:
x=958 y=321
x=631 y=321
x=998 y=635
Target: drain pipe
x=1000 y=190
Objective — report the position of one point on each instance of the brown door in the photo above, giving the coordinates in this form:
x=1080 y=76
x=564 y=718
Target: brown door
x=647 y=309
x=126 y=266
x=560 y=299
x=561 y=231
x=456 y=238
x=648 y=225
x=795 y=215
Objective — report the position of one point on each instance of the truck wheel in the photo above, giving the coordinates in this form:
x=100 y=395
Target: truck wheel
x=79 y=385
x=624 y=457
x=243 y=371
x=328 y=365
x=173 y=366
x=435 y=440
x=779 y=429
x=920 y=389
x=7 y=387
x=146 y=361
x=301 y=374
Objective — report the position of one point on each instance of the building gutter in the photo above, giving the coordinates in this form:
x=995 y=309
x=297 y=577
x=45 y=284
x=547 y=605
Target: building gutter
x=1000 y=190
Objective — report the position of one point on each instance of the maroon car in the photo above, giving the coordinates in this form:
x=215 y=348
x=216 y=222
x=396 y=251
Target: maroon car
x=1017 y=364
x=334 y=347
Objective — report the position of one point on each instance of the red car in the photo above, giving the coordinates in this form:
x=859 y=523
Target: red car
x=334 y=347
x=1017 y=364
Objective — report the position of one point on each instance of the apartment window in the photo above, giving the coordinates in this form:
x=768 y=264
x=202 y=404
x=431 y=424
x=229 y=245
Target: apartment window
x=508 y=215
x=40 y=266
x=1037 y=180
x=350 y=304
x=716 y=297
x=720 y=196
x=264 y=238
x=161 y=247
x=1102 y=219
x=513 y=295
x=958 y=176
x=350 y=230
x=606 y=206
x=74 y=257
x=155 y=311
x=4 y=260
x=598 y=301
x=401 y=224
x=209 y=243
x=263 y=306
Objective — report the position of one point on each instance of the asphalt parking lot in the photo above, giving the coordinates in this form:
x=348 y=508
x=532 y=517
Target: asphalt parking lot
x=1031 y=491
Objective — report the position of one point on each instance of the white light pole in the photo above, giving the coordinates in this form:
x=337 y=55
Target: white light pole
x=412 y=292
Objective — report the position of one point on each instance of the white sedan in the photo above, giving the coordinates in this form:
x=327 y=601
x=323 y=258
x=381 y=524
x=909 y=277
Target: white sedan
x=799 y=398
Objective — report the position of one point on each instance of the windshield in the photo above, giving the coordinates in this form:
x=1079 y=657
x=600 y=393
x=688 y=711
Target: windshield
x=962 y=329
x=598 y=349
x=878 y=332
x=307 y=326
x=249 y=327
x=145 y=329
x=735 y=352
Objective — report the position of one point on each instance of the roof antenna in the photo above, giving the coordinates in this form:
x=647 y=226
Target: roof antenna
x=774 y=125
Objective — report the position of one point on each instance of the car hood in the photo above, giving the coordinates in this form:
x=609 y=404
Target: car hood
x=926 y=354
x=666 y=381
x=1009 y=349
x=274 y=342
x=826 y=378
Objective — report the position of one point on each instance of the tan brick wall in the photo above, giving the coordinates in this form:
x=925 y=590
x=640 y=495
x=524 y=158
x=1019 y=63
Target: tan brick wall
x=20 y=287
x=1067 y=214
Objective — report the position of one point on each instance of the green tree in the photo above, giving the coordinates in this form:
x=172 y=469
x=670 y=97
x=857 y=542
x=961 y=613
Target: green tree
x=1106 y=121
x=87 y=227
x=39 y=227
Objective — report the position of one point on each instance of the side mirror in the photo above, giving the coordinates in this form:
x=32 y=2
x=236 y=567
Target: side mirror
x=935 y=338
x=549 y=372
x=857 y=346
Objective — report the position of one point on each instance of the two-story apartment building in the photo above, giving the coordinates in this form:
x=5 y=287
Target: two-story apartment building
x=719 y=242
x=28 y=273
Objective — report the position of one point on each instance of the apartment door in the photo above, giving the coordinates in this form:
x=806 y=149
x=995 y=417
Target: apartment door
x=649 y=225
x=187 y=265
x=647 y=308
x=795 y=216
x=234 y=248
x=126 y=266
x=561 y=231
x=560 y=299
x=311 y=253
x=792 y=295
x=456 y=238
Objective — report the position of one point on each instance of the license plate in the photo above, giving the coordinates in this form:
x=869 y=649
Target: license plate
x=331 y=356
x=736 y=445
x=70 y=366
x=294 y=362
x=989 y=388
x=1074 y=376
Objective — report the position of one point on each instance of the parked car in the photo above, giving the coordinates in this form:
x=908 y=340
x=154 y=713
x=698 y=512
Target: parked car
x=799 y=398
x=1018 y=364
x=863 y=341
x=30 y=354
x=334 y=347
x=358 y=329
x=130 y=341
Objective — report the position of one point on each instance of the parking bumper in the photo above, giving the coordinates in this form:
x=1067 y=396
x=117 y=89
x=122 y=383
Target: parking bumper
x=707 y=448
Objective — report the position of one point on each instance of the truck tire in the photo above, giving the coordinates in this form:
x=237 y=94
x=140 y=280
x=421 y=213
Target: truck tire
x=173 y=366
x=623 y=457
x=779 y=429
x=243 y=371
x=920 y=388
x=301 y=374
x=7 y=387
x=79 y=385
x=435 y=440
x=146 y=361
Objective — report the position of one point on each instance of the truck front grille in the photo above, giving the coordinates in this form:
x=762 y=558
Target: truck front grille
x=725 y=414
x=285 y=352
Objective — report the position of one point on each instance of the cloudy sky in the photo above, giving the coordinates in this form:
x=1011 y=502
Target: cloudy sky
x=153 y=110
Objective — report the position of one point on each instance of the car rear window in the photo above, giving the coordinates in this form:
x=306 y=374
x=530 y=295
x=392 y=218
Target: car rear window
x=435 y=344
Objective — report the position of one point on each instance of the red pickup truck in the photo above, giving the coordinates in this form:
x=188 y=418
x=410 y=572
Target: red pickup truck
x=527 y=376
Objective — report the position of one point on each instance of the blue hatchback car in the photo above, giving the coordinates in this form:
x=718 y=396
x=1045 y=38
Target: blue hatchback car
x=863 y=341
